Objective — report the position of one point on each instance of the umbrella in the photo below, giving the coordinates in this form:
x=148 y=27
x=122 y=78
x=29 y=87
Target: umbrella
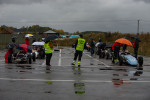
x=28 y=35
x=11 y=45
x=51 y=37
x=24 y=47
x=38 y=43
x=135 y=37
x=123 y=41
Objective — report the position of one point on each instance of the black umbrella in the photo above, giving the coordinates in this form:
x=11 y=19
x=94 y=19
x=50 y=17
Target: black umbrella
x=51 y=37
x=11 y=45
x=137 y=38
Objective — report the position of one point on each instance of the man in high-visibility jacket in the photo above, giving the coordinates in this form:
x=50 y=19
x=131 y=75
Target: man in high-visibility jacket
x=48 y=52
x=80 y=45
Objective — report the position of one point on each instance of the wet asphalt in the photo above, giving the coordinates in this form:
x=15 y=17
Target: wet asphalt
x=97 y=79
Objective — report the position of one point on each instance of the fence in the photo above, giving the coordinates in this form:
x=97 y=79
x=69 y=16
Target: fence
x=5 y=39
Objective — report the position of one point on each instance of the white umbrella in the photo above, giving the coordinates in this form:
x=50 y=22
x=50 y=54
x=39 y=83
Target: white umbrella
x=38 y=43
x=28 y=35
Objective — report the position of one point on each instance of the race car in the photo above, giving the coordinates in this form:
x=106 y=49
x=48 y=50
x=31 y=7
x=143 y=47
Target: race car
x=108 y=51
x=23 y=55
x=127 y=58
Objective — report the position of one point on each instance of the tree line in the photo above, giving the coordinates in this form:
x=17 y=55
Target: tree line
x=34 y=29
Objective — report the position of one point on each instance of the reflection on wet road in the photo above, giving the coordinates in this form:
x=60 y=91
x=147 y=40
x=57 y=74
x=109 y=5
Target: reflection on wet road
x=96 y=79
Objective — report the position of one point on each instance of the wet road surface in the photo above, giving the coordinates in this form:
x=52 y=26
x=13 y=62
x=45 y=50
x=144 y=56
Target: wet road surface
x=97 y=79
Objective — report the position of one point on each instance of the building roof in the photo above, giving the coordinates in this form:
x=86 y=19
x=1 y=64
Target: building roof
x=50 y=32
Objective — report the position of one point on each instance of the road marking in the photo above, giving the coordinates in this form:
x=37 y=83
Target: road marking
x=59 y=61
x=1 y=60
x=89 y=81
x=97 y=60
x=44 y=63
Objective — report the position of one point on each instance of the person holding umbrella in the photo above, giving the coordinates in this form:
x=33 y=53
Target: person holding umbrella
x=48 y=52
x=49 y=49
x=119 y=43
x=79 y=47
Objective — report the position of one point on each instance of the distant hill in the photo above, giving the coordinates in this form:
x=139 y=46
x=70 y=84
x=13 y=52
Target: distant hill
x=90 y=32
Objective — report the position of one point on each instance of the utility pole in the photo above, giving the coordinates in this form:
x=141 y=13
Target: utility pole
x=138 y=27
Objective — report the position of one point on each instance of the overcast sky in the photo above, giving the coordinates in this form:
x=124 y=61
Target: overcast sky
x=78 y=15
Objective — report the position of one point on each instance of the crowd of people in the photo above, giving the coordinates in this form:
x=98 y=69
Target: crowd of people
x=47 y=48
x=99 y=47
x=80 y=45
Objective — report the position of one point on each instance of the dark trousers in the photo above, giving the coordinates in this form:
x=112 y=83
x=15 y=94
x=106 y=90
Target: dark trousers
x=92 y=51
x=78 y=54
x=48 y=58
x=116 y=52
x=135 y=52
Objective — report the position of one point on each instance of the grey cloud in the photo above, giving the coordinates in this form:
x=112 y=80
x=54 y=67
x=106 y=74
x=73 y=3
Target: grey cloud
x=76 y=15
x=146 y=1
x=20 y=1
x=67 y=2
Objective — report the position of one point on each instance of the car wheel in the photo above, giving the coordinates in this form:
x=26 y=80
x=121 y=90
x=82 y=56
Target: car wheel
x=140 y=61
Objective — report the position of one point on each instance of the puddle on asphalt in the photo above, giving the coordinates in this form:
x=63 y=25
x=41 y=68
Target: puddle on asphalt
x=105 y=68
x=100 y=64
x=47 y=92
x=120 y=76
x=133 y=78
x=138 y=73
x=119 y=82
x=146 y=65
x=21 y=71
x=49 y=83
x=79 y=88
x=76 y=70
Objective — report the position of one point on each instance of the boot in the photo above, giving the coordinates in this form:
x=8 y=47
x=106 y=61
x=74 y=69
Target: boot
x=74 y=62
x=79 y=64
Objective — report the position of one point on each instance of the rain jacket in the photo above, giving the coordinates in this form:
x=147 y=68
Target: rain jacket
x=27 y=41
x=116 y=44
x=48 y=48
x=6 y=55
x=136 y=44
x=80 y=44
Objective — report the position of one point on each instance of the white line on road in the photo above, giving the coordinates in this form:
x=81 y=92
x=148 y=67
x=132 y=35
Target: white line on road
x=98 y=60
x=59 y=61
x=90 y=81
x=44 y=63
x=1 y=60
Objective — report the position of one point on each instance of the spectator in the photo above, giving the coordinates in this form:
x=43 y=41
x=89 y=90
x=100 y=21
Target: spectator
x=27 y=41
x=136 y=46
